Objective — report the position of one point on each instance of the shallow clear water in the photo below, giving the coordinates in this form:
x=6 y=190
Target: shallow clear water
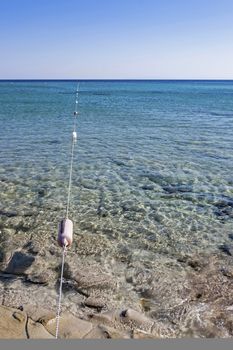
x=153 y=162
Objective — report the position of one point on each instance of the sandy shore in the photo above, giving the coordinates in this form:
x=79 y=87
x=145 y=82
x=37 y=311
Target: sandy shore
x=112 y=295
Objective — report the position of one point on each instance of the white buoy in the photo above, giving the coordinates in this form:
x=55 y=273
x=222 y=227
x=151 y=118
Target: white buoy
x=74 y=136
x=65 y=233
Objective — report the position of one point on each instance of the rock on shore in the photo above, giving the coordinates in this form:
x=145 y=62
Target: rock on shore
x=17 y=324
x=113 y=294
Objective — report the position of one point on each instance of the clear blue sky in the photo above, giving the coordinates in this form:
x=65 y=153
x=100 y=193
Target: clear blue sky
x=116 y=39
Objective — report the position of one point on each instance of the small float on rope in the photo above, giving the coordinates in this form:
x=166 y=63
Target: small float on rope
x=74 y=136
x=65 y=233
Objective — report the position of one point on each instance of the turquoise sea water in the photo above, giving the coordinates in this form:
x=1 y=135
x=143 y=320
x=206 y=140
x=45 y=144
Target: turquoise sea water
x=153 y=162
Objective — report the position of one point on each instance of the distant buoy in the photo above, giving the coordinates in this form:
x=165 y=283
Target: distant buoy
x=75 y=113
x=74 y=136
x=65 y=233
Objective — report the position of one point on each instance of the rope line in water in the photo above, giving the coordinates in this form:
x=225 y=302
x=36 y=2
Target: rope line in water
x=70 y=179
x=72 y=152
x=67 y=211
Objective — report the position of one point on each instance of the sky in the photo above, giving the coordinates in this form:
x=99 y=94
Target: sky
x=116 y=39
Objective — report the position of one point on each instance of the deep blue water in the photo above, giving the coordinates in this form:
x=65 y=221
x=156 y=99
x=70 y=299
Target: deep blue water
x=153 y=162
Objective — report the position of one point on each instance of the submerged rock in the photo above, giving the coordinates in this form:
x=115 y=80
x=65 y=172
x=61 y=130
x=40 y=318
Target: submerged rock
x=42 y=278
x=178 y=188
x=19 y=263
x=227 y=249
x=148 y=187
x=110 y=318
x=93 y=244
x=33 y=247
x=159 y=178
x=5 y=257
x=126 y=319
x=93 y=279
x=137 y=318
x=94 y=303
x=9 y=214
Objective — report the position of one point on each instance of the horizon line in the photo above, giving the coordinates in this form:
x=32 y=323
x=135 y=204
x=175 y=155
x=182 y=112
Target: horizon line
x=116 y=79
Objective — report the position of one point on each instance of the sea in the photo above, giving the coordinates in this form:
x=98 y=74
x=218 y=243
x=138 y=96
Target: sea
x=151 y=199
x=153 y=161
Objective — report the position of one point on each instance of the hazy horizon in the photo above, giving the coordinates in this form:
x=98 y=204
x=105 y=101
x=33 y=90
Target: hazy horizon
x=111 y=79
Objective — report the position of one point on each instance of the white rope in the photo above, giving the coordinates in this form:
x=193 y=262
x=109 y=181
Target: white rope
x=60 y=293
x=70 y=179
x=67 y=213
x=76 y=107
x=72 y=154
